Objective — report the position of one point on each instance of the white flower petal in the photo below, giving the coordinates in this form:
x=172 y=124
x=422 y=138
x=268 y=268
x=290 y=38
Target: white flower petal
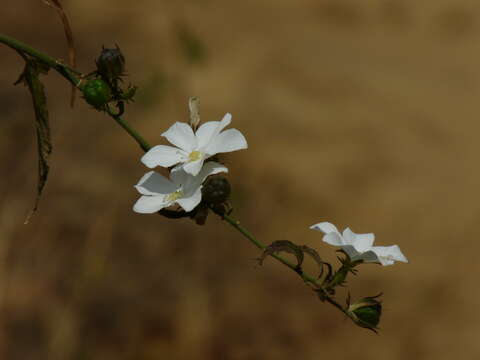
x=150 y=204
x=325 y=227
x=153 y=183
x=369 y=257
x=385 y=261
x=361 y=242
x=351 y=252
x=355 y=255
x=212 y=168
x=189 y=203
x=193 y=167
x=163 y=155
x=182 y=136
x=334 y=239
x=227 y=141
x=364 y=242
x=179 y=176
x=209 y=168
x=348 y=236
x=209 y=130
x=387 y=255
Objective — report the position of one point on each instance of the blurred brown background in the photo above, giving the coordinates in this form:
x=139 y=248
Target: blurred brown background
x=362 y=113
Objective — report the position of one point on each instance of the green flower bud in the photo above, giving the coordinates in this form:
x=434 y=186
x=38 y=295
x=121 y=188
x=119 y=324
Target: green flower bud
x=97 y=93
x=366 y=312
x=216 y=190
x=111 y=63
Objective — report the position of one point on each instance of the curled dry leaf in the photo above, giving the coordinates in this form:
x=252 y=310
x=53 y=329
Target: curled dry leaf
x=282 y=246
x=31 y=78
x=69 y=35
x=321 y=264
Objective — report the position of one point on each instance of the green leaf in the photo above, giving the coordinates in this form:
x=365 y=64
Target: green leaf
x=30 y=78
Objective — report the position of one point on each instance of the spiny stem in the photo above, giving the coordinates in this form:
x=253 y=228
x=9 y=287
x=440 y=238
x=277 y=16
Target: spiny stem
x=55 y=64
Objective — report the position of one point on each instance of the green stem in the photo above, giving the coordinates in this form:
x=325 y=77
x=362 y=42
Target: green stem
x=337 y=305
x=71 y=76
x=131 y=131
x=55 y=64
x=307 y=278
x=258 y=244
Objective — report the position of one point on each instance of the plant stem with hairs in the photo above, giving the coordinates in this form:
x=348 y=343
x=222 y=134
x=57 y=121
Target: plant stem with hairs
x=76 y=78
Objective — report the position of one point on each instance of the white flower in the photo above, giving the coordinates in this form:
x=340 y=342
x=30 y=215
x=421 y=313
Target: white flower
x=183 y=189
x=193 y=148
x=359 y=246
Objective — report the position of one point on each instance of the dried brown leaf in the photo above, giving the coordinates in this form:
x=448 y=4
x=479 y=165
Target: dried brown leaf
x=31 y=78
x=314 y=255
x=282 y=246
x=69 y=35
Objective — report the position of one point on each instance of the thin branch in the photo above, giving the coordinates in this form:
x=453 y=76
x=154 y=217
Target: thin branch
x=64 y=70
x=131 y=131
x=307 y=278
x=71 y=76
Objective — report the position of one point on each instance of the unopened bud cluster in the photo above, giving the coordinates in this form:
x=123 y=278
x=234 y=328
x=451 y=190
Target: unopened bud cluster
x=102 y=86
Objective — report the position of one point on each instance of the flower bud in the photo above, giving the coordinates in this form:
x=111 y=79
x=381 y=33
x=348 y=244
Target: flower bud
x=366 y=312
x=97 y=93
x=111 y=63
x=216 y=190
x=193 y=107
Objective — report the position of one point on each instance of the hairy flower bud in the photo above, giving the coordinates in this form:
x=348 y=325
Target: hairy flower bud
x=366 y=312
x=97 y=93
x=111 y=63
x=216 y=190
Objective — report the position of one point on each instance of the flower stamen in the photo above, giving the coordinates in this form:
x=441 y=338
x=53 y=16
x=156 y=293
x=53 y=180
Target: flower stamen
x=175 y=195
x=194 y=156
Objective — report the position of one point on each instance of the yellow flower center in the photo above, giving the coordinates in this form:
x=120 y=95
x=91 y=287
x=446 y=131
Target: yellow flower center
x=194 y=156
x=175 y=195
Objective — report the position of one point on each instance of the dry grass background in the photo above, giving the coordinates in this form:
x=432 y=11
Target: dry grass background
x=361 y=113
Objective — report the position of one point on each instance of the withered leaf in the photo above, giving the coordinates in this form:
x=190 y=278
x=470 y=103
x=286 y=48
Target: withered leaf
x=282 y=246
x=69 y=35
x=193 y=107
x=30 y=77
x=314 y=255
